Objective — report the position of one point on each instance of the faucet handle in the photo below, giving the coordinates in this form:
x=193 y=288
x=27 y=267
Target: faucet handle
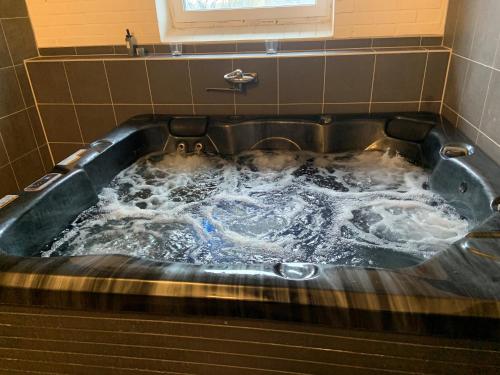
x=238 y=77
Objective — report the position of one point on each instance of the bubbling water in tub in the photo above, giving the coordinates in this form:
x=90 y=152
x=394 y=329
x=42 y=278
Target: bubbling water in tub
x=360 y=209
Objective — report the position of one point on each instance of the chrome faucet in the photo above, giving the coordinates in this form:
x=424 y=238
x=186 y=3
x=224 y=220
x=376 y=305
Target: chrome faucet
x=238 y=79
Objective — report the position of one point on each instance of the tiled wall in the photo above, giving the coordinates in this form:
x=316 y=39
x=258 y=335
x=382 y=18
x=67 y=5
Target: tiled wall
x=472 y=98
x=24 y=155
x=362 y=18
x=90 y=22
x=81 y=99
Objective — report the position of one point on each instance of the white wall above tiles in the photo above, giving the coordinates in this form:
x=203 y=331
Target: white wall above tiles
x=60 y=23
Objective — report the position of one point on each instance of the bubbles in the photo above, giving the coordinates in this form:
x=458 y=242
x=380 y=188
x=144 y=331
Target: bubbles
x=359 y=209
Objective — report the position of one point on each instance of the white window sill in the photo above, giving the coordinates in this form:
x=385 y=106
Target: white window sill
x=257 y=33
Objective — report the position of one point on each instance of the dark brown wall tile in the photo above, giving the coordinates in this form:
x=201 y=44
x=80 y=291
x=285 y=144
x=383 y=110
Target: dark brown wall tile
x=431 y=41
x=28 y=168
x=487 y=33
x=396 y=42
x=11 y=99
x=13 y=8
x=474 y=93
x=435 y=76
x=17 y=134
x=57 y=51
x=398 y=77
x=215 y=48
x=433 y=107
x=348 y=43
x=8 y=185
x=165 y=48
x=60 y=151
x=265 y=90
x=456 y=80
x=301 y=80
x=95 y=50
x=449 y=115
x=88 y=83
x=210 y=73
x=174 y=109
x=49 y=82
x=37 y=126
x=300 y=109
x=169 y=80
x=95 y=121
x=124 y=112
x=349 y=78
x=22 y=76
x=87 y=80
x=451 y=22
x=467 y=129
x=20 y=39
x=466 y=23
x=251 y=47
x=394 y=107
x=60 y=123
x=491 y=120
x=5 y=59
x=346 y=108
x=128 y=82
x=256 y=110
x=4 y=159
x=314 y=45
x=46 y=159
x=490 y=148
x=214 y=110
x=119 y=49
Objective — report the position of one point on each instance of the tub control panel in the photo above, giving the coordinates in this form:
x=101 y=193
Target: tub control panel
x=43 y=182
x=8 y=199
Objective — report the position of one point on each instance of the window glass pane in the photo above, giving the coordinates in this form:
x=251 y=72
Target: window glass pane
x=197 y=5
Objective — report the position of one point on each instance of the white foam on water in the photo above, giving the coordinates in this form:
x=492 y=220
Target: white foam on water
x=365 y=209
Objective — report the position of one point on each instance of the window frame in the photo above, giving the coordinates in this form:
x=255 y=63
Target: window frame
x=321 y=13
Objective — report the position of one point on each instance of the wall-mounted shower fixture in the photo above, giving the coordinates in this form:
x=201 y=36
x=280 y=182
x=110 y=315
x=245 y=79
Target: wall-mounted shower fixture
x=238 y=79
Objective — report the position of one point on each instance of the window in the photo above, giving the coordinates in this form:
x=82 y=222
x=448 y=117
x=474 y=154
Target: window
x=194 y=5
x=246 y=19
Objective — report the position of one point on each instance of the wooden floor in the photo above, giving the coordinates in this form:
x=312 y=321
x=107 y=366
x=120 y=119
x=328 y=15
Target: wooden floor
x=46 y=341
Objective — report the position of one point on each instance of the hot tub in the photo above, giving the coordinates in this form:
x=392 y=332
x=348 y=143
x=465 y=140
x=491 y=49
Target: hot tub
x=453 y=290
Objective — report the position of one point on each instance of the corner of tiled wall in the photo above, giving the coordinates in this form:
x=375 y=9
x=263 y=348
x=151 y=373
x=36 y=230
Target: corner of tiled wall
x=24 y=154
x=472 y=96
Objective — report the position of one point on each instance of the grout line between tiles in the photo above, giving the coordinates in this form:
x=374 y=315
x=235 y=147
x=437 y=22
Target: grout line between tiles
x=24 y=102
x=373 y=82
x=109 y=91
x=423 y=82
x=73 y=102
x=278 y=83
x=38 y=113
x=191 y=87
x=234 y=93
x=459 y=11
x=149 y=88
x=324 y=86
x=10 y=162
x=471 y=124
x=445 y=83
x=484 y=104
x=462 y=91
x=477 y=62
